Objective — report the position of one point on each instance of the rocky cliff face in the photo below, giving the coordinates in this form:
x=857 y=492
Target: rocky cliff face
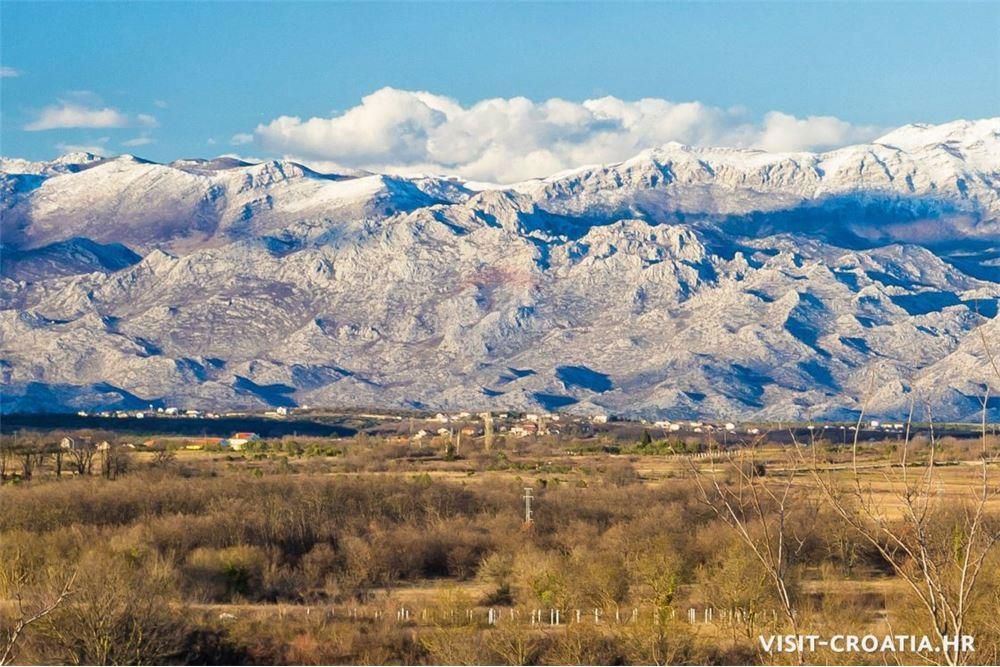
x=713 y=282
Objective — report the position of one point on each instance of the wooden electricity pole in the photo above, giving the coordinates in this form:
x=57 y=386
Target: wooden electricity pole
x=487 y=431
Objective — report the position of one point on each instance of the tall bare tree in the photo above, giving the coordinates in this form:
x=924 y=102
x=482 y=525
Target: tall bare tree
x=937 y=548
x=758 y=505
x=81 y=452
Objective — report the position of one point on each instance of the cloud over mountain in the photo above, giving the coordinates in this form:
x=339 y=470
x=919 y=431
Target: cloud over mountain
x=84 y=110
x=510 y=139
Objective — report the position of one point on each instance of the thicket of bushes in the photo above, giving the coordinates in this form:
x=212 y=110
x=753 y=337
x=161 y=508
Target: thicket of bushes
x=151 y=548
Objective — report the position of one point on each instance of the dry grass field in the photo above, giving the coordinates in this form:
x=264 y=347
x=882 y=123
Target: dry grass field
x=372 y=550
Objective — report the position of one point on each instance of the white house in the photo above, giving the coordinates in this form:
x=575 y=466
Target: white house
x=239 y=440
x=521 y=430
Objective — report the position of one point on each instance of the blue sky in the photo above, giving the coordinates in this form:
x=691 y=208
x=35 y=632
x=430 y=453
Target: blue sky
x=171 y=78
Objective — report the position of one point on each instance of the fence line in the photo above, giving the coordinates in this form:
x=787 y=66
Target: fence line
x=490 y=616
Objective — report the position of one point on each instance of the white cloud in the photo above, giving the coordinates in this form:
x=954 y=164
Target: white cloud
x=781 y=130
x=8 y=72
x=68 y=115
x=145 y=120
x=138 y=141
x=160 y=104
x=83 y=109
x=241 y=139
x=505 y=140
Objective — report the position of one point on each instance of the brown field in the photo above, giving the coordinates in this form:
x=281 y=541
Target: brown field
x=371 y=550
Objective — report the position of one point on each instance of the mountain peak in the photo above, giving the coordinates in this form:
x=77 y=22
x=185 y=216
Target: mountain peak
x=77 y=157
x=961 y=133
x=701 y=281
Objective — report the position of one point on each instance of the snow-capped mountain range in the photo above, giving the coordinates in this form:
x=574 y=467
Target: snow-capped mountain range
x=685 y=281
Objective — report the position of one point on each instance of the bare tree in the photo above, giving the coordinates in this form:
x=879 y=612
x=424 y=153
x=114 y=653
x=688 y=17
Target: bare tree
x=122 y=612
x=115 y=460
x=757 y=505
x=81 y=455
x=938 y=549
x=15 y=581
x=30 y=453
x=6 y=454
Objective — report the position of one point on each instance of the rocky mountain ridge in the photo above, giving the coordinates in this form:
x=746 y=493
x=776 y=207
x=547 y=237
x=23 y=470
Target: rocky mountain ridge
x=715 y=282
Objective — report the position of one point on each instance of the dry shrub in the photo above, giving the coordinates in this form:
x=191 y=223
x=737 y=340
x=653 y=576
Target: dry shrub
x=122 y=611
x=225 y=575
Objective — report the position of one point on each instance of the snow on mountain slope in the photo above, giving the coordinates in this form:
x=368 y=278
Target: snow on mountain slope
x=69 y=162
x=939 y=184
x=191 y=204
x=714 y=282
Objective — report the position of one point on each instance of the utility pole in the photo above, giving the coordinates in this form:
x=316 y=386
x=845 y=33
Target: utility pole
x=528 y=520
x=487 y=430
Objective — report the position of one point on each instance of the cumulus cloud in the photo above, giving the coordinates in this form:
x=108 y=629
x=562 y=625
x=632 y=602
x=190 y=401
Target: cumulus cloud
x=67 y=115
x=81 y=112
x=241 y=139
x=781 y=130
x=505 y=140
x=8 y=72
